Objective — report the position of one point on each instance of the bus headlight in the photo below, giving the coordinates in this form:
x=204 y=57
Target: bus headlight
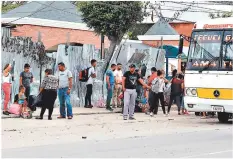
x=191 y=92
x=194 y=92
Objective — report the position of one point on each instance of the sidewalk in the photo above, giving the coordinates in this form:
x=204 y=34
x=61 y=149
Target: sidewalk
x=76 y=111
x=79 y=111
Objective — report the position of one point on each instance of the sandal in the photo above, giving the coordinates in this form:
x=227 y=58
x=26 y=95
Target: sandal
x=5 y=113
x=61 y=117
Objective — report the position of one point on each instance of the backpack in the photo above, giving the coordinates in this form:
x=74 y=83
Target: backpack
x=83 y=75
x=155 y=85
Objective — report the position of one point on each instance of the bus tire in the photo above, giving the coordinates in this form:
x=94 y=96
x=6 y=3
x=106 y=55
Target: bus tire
x=197 y=113
x=223 y=117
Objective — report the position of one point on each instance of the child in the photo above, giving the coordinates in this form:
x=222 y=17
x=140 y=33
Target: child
x=20 y=99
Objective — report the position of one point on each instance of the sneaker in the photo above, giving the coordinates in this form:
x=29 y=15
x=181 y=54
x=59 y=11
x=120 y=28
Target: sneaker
x=151 y=114
x=125 y=118
x=5 y=113
x=39 y=118
x=70 y=117
x=132 y=118
x=109 y=108
x=179 y=113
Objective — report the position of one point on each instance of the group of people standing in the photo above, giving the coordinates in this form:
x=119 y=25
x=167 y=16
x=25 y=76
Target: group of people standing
x=116 y=83
x=60 y=84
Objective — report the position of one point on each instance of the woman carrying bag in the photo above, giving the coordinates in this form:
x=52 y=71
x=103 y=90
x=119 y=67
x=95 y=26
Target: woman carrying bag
x=48 y=93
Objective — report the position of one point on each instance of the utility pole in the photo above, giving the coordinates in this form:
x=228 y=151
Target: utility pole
x=102 y=47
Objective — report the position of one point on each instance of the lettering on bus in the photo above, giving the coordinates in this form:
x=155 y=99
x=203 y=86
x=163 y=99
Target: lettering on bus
x=217 y=26
x=228 y=38
x=207 y=37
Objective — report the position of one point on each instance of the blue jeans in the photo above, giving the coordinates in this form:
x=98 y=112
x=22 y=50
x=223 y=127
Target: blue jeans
x=64 y=98
x=109 y=94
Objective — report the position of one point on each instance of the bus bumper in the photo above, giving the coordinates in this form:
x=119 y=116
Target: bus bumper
x=195 y=104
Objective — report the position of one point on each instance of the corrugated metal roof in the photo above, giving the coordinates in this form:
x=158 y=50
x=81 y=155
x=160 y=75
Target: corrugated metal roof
x=161 y=28
x=53 y=10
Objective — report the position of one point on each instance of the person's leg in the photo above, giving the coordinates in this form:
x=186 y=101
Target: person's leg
x=132 y=103
x=50 y=113
x=156 y=103
x=119 y=90
x=114 y=99
x=53 y=96
x=170 y=103
x=152 y=101
x=126 y=103
x=86 y=97
x=27 y=92
x=42 y=112
x=161 y=98
x=91 y=90
x=61 y=97
x=178 y=103
x=68 y=104
x=7 y=92
x=109 y=96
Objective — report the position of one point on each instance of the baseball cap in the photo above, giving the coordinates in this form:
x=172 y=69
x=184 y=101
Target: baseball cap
x=132 y=65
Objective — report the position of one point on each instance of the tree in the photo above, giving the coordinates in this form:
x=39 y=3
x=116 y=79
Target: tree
x=112 y=19
x=9 y=5
x=221 y=15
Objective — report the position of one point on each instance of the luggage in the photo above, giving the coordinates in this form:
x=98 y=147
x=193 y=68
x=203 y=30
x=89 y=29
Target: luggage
x=37 y=101
x=31 y=102
x=14 y=109
x=83 y=75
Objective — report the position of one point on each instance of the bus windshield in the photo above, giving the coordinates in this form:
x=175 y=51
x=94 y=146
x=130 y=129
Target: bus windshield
x=210 y=50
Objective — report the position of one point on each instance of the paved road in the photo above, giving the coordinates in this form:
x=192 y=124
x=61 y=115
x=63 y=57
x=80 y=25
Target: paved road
x=110 y=136
x=202 y=144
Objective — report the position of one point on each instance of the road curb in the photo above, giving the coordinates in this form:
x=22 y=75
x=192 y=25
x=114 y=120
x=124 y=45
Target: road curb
x=75 y=114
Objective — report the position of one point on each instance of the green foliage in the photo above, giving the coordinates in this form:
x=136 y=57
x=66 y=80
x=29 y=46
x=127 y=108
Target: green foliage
x=221 y=15
x=111 y=18
x=9 y=5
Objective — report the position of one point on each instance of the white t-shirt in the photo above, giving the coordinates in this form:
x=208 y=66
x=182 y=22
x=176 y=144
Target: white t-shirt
x=161 y=85
x=91 y=71
x=64 y=78
x=118 y=75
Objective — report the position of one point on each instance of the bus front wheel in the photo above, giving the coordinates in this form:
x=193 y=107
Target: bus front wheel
x=223 y=117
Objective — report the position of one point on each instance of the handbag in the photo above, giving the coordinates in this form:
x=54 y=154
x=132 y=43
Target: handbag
x=38 y=101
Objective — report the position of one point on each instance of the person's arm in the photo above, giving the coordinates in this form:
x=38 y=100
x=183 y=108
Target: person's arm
x=70 y=82
x=123 y=83
x=43 y=84
x=21 y=79
x=107 y=79
x=93 y=73
x=143 y=84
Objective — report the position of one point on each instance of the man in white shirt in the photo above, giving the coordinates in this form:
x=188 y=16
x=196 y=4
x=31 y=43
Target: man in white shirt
x=118 y=86
x=65 y=85
x=89 y=84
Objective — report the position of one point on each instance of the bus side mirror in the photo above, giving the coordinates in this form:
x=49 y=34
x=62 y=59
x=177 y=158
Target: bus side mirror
x=181 y=44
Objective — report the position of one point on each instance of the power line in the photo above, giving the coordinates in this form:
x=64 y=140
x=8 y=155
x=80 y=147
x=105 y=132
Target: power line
x=186 y=3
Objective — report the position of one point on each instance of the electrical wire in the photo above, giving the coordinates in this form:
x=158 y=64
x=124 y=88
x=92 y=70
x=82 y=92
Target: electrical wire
x=186 y=3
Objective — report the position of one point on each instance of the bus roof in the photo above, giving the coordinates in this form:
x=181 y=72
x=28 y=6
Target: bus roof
x=218 y=23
